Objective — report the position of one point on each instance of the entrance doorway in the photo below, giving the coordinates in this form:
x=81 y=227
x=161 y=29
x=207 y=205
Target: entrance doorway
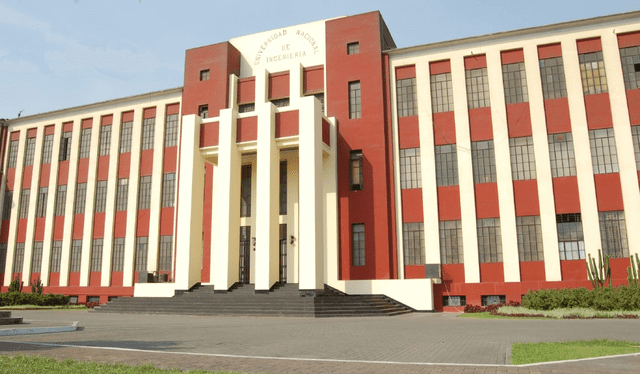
x=245 y=254
x=283 y=253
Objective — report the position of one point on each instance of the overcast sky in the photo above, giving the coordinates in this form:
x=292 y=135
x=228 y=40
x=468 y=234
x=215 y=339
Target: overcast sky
x=65 y=53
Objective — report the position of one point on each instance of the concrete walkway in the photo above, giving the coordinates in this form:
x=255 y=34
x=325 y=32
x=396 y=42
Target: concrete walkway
x=414 y=343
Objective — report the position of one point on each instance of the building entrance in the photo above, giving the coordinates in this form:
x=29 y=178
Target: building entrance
x=245 y=254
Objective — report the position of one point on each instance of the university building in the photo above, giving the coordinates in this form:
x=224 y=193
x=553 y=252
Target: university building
x=463 y=171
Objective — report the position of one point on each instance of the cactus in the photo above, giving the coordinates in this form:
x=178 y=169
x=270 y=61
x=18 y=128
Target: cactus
x=633 y=272
x=15 y=286
x=599 y=274
x=36 y=287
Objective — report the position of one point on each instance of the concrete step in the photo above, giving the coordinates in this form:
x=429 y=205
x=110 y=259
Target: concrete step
x=10 y=320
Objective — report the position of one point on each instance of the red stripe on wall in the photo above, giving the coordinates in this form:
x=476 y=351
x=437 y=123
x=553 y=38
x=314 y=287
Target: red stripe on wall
x=127 y=116
x=449 y=203
x=173 y=109
x=103 y=168
x=549 y=51
x=491 y=272
x=525 y=193
x=408 y=132
x=170 y=162
x=444 y=128
x=98 y=225
x=511 y=57
x=631 y=39
x=440 y=67
x=149 y=113
x=589 y=45
x=404 y=72
x=146 y=162
x=287 y=123
x=487 y=200
x=209 y=134
x=83 y=170
x=566 y=195
x=633 y=103
x=598 y=111
x=107 y=120
x=608 y=192
x=475 y=62
x=519 y=120
x=87 y=123
x=142 y=228
x=412 y=205
x=556 y=113
x=480 y=124
x=78 y=226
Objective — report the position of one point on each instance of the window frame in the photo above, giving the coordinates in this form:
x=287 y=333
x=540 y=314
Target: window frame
x=355 y=100
x=358 y=245
x=356 y=174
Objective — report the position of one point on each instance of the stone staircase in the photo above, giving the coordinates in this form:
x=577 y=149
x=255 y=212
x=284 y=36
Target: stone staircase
x=282 y=300
x=6 y=319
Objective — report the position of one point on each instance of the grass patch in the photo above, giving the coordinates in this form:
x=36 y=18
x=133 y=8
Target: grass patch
x=38 y=307
x=567 y=312
x=529 y=353
x=35 y=364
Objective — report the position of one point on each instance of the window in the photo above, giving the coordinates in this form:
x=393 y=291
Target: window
x=117 y=259
x=142 y=247
x=631 y=67
x=76 y=256
x=493 y=299
x=523 y=161
x=126 y=131
x=18 y=258
x=413 y=243
x=204 y=75
x=356 y=171
x=12 y=159
x=489 y=240
x=168 y=190
x=47 y=149
x=56 y=256
x=529 y=238
x=484 y=162
x=144 y=194
x=101 y=197
x=441 y=93
x=553 y=82
x=73 y=300
x=446 y=165
x=85 y=143
x=353 y=48
x=93 y=299
x=61 y=200
x=635 y=136
x=451 y=242
x=246 y=108
x=36 y=257
x=245 y=191
x=281 y=103
x=354 y=100
x=477 y=88
x=407 y=94
x=122 y=194
x=594 y=79
x=30 y=151
x=3 y=256
x=570 y=236
x=410 y=173
x=203 y=111
x=65 y=146
x=7 y=205
x=283 y=188
x=165 y=259
x=357 y=247
x=24 y=204
x=81 y=198
x=148 y=130
x=105 y=140
x=613 y=233
x=96 y=255
x=454 y=300
x=515 y=83
x=41 y=208
x=604 y=158
x=171 y=130
x=563 y=160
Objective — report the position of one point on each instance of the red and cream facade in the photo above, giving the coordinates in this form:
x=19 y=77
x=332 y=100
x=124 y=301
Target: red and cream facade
x=326 y=143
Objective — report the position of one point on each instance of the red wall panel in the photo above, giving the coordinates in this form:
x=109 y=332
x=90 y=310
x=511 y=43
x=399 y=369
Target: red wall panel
x=512 y=57
x=142 y=228
x=589 y=45
x=480 y=124
x=491 y=272
x=408 y=132
x=94 y=278
x=67 y=126
x=631 y=39
x=54 y=279
x=103 y=168
x=120 y=224
x=475 y=62
x=21 y=235
x=32 y=133
x=247 y=129
x=149 y=113
x=549 y=51
x=326 y=132
x=453 y=273
x=98 y=225
x=633 y=103
x=532 y=271
x=287 y=123
x=598 y=111
x=106 y=120
x=117 y=278
x=83 y=170
x=87 y=123
x=278 y=85
x=525 y=194
x=404 y=72
x=4 y=234
x=74 y=279
x=45 y=174
x=78 y=226
x=170 y=161
x=556 y=113
x=449 y=203
x=127 y=116
x=58 y=227
x=209 y=134
x=412 y=205
x=50 y=130
x=15 y=135
x=166 y=221
x=440 y=67
x=173 y=109
x=414 y=271
x=39 y=229
x=124 y=165
x=444 y=128
x=608 y=192
x=146 y=162
x=205 y=273
x=246 y=90
x=573 y=270
x=519 y=120
x=487 y=200
x=26 y=177
x=565 y=194
x=313 y=79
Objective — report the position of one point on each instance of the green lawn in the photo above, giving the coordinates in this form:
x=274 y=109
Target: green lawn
x=528 y=353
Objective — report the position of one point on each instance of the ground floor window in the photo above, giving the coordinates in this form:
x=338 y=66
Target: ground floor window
x=357 y=248
x=493 y=299
x=454 y=301
x=613 y=234
x=570 y=236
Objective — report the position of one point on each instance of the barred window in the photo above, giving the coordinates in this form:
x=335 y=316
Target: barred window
x=144 y=194
x=446 y=165
x=56 y=256
x=357 y=247
x=489 y=240
x=451 y=242
x=204 y=75
x=554 y=85
x=12 y=159
x=515 y=83
x=36 y=257
x=354 y=100
x=413 y=243
x=410 y=173
x=635 y=135
x=171 y=130
x=61 y=200
x=76 y=256
x=594 y=79
x=3 y=257
x=85 y=143
x=246 y=108
x=65 y=146
x=81 y=198
x=41 y=208
x=245 y=191
x=126 y=132
x=353 y=48
x=47 y=149
x=484 y=161
x=613 y=233
x=122 y=194
x=454 y=300
x=281 y=103
x=142 y=248
x=203 y=111
x=101 y=197
x=570 y=236
x=477 y=88
x=165 y=258
x=631 y=67
x=523 y=162
x=30 y=151
x=529 y=238
x=148 y=130
x=18 y=258
x=563 y=160
x=96 y=255
x=117 y=259
x=407 y=94
x=168 y=189
x=24 y=204
x=492 y=299
x=105 y=140
x=7 y=205
x=441 y=93
x=604 y=157
x=283 y=188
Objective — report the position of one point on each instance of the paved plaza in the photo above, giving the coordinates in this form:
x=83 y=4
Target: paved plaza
x=413 y=343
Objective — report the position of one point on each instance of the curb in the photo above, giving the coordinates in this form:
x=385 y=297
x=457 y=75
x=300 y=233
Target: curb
x=38 y=330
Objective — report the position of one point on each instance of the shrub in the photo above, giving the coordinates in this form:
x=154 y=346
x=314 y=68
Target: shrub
x=603 y=299
x=19 y=298
x=489 y=308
